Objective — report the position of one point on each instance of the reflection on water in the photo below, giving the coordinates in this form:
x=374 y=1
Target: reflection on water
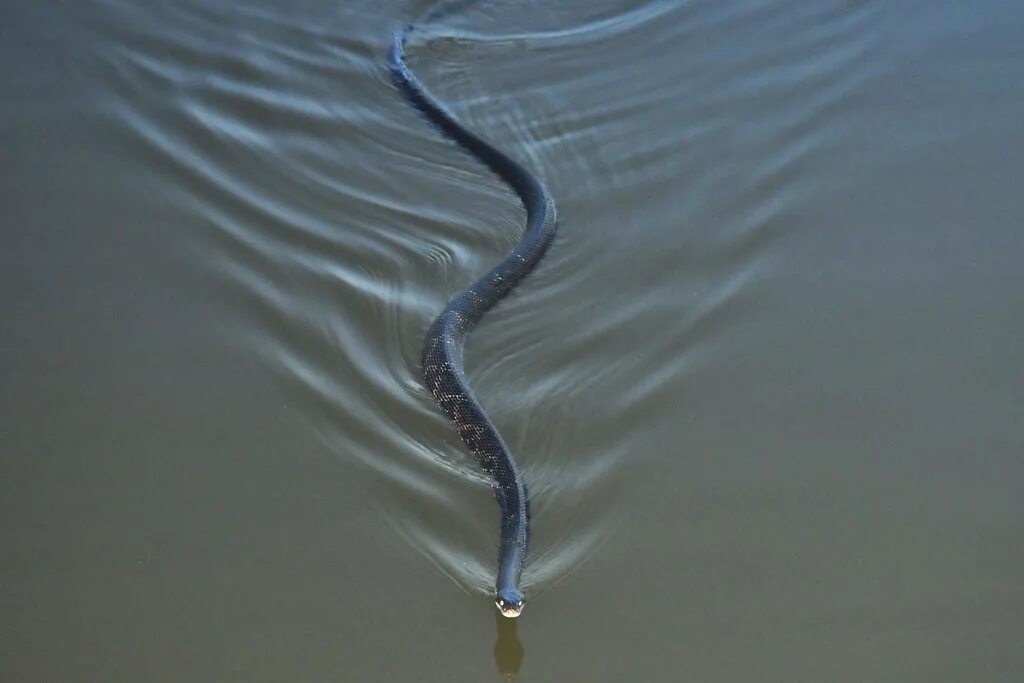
x=508 y=651
x=764 y=388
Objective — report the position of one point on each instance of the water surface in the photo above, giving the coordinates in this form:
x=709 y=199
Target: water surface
x=766 y=388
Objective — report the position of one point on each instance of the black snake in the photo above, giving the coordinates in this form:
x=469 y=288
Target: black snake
x=443 y=347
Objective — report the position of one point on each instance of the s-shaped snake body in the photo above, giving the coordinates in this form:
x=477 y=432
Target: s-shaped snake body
x=442 y=358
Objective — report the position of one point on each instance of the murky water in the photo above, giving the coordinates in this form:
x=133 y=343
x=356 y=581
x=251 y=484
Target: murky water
x=767 y=388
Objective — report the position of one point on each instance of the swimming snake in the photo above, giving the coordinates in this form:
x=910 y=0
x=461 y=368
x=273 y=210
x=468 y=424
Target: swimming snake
x=442 y=359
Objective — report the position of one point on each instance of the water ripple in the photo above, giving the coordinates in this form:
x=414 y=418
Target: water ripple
x=676 y=137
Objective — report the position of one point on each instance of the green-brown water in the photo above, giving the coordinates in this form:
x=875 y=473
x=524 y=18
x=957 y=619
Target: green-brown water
x=767 y=388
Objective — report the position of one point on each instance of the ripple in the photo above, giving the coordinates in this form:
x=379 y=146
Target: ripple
x=676 y=137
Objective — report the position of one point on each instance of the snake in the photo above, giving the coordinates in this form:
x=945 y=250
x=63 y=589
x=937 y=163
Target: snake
x=443 y=347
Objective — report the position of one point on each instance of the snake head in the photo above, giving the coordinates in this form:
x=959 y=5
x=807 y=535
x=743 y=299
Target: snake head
x=510 y=602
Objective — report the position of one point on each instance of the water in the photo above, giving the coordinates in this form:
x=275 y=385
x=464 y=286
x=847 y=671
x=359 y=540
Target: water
x=766 y=388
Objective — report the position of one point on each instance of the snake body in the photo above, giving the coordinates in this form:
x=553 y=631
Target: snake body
x=442 y=359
